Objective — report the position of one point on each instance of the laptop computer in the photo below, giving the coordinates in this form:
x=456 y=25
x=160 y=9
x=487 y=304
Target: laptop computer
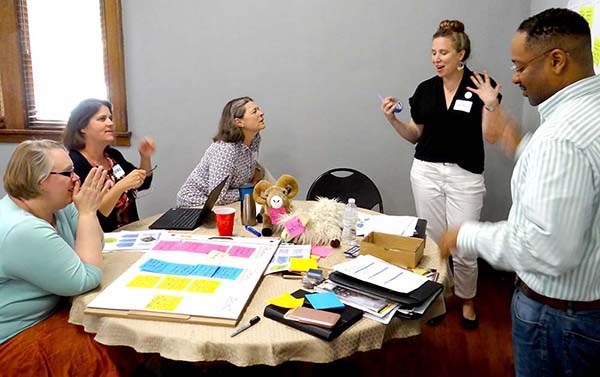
x=189 y=218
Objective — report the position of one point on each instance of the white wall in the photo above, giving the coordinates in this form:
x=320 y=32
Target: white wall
x=315 y=67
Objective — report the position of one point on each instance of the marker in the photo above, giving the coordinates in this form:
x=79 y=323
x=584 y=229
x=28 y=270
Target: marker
x=291 y=276
x=398 y=107
x=252 y=230
x=252 y=322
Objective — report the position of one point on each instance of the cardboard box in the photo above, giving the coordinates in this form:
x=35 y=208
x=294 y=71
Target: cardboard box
x=398 y=250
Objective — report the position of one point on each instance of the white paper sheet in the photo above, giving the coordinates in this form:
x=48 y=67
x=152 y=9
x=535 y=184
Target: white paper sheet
x=376 y=271
x=281 y=259
x=399 y=225
x=138 y=241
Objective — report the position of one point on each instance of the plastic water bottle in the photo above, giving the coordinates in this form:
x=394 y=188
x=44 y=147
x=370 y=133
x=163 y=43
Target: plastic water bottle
x=350 y=217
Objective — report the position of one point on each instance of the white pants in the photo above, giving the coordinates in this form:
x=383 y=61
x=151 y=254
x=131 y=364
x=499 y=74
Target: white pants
x=447 y=195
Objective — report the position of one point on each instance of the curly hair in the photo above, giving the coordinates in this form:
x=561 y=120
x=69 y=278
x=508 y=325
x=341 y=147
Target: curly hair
x=455 y=30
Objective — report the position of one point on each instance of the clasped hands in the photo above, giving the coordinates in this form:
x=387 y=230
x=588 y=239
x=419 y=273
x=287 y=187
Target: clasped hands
x=88 y=195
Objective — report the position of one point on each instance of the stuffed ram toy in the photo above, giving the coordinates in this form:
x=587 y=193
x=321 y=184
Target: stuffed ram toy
x=276 y=201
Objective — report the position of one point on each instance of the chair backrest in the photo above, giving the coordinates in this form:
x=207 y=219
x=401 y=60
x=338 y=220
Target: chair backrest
x=349 y=184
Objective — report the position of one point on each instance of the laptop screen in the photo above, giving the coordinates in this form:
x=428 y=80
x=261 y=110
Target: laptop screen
x=213 y=197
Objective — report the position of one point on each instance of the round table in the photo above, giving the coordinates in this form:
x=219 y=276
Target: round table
x=268 y=342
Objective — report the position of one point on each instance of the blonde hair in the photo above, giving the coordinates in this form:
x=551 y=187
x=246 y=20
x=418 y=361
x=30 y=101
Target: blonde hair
x=455 y=30
x=29 y=164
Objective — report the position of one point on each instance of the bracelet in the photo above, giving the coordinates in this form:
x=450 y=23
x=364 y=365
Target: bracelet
x=489 y=108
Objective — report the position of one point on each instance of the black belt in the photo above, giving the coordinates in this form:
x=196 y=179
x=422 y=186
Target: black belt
x=557 y=303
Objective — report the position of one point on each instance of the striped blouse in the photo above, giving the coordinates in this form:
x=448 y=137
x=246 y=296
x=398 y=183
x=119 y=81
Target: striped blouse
x=220 y=160
x=552 y=235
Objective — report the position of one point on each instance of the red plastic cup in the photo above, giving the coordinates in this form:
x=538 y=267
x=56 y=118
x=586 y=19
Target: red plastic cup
x=225 y=216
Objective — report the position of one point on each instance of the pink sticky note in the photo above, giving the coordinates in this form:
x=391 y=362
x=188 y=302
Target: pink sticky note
x=322 y=251
x=167 y=245
x=240 y=251
x=276 y=213
x=294 y=227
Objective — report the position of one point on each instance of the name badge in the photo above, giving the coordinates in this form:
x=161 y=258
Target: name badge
x=462 y=105
x=118 y=171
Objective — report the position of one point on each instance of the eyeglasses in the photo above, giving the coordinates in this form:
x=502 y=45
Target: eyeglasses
x=66 y=173
x=520 y=68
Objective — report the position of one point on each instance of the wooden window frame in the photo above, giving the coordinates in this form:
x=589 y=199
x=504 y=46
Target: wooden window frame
x=16 y=125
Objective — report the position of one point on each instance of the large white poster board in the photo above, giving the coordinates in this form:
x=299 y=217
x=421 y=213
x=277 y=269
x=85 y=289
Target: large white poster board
x=189 y=278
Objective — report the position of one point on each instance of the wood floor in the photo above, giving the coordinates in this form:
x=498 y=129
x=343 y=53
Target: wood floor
x=442 y=350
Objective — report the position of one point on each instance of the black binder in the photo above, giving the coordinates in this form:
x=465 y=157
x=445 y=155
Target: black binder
x=349 y=314
x=407 y=300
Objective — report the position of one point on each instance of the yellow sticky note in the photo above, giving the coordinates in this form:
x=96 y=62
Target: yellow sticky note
x=596 y=51
x=286 y=300
x=420 y=271
x=144 y=281
x=587 y=12
x=163 y=302
x=302 y=264
x=174 y=283
x=204 y=286
x=315 y=257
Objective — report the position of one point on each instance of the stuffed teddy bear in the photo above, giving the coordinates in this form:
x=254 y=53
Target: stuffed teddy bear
x=276 y=200
x=322 y=222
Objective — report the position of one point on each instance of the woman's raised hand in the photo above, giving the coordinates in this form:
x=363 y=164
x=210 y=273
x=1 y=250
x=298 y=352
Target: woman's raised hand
x=87 y=196
x=483 y=88
x=147 y=147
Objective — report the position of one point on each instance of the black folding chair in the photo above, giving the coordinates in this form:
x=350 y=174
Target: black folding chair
x=344 y=183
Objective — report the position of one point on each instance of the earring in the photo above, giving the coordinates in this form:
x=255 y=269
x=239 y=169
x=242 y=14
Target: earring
x=460 y=66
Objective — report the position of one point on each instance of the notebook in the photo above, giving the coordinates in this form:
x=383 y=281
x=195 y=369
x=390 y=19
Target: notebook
x=189 y=218
x=349 y=317
x=421 y=297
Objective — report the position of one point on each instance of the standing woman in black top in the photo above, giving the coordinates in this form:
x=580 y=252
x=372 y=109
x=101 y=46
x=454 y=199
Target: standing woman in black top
x=88 y=137
x=448 y=122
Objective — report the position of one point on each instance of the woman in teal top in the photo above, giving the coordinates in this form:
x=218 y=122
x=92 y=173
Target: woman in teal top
x=50 y=247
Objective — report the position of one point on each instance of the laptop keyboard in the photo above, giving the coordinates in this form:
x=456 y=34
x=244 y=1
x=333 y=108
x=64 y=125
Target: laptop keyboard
x=187 y=219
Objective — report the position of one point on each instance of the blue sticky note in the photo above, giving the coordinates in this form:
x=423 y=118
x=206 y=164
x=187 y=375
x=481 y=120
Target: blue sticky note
x=179 y=269
x=230 y=273
x=204 y=270
x=325 y=300
x=154 y=265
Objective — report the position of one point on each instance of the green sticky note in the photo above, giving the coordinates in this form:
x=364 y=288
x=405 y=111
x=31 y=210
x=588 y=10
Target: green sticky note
x=587 y=12
x=596 y=51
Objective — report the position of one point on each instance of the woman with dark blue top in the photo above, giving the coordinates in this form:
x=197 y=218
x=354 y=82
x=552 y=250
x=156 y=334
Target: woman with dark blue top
x=449 y=120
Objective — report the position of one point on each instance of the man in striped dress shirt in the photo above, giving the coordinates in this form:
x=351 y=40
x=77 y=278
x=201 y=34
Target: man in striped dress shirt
x=552 y=235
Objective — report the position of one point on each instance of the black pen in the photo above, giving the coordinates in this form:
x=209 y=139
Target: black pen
x=252 y=322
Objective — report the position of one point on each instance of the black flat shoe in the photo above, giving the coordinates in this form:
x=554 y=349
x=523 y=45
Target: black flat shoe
x=470 y=324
